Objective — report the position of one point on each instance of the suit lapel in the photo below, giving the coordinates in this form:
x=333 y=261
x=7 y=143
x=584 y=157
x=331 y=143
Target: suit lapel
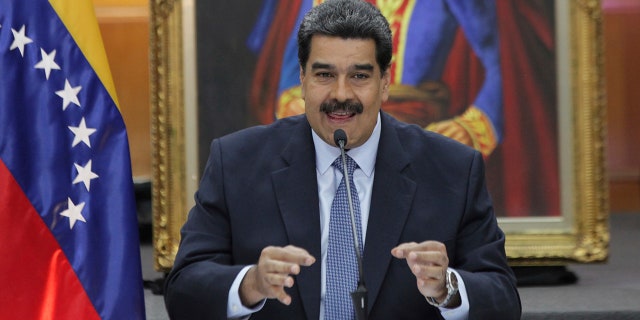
x=389 y=210
x=297 y=195
x=296 y=191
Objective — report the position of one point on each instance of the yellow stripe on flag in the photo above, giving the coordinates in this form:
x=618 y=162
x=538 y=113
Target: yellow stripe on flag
x=80 y=19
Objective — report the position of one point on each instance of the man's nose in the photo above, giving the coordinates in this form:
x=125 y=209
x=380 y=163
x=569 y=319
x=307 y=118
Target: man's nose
x=342 y=90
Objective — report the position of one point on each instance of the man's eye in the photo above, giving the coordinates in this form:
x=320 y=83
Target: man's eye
x=324 y=75
x=361 y=76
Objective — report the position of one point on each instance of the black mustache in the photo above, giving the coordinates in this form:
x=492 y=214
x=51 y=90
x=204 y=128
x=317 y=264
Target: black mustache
x=348 y=106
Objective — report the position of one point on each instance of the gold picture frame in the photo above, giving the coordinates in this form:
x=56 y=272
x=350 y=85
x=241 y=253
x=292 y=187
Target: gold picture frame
x=581 y=234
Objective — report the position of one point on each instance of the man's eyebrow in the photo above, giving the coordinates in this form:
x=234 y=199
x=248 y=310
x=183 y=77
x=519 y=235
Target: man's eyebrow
x=365 y=67
x=320 y=65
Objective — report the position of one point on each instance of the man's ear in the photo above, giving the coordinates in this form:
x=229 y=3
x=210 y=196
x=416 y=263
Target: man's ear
x=302 y=74
x=386 y=82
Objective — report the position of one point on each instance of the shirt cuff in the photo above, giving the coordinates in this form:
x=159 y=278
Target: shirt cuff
x=235 y=308
x=461 y=312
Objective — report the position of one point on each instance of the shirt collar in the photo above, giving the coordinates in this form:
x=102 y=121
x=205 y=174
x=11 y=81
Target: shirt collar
x=364 y=155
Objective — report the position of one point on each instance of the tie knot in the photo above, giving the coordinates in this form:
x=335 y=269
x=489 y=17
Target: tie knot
x=351 y=164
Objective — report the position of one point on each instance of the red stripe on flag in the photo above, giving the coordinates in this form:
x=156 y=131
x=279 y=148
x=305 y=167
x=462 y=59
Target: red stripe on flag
x=37 y=279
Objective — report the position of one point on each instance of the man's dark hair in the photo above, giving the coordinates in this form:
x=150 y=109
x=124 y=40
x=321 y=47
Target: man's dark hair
x=347 y=19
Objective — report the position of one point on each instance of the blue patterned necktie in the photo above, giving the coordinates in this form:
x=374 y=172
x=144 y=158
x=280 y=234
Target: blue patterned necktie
x=342 y=265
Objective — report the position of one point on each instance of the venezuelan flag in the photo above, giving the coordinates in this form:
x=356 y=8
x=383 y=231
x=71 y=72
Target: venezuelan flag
x=68 y=226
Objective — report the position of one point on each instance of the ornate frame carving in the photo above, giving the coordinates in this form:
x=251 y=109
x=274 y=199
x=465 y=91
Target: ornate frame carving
x=588 y=238
x=167 y=130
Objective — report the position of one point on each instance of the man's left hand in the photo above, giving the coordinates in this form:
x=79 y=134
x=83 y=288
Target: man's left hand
x=429 y=262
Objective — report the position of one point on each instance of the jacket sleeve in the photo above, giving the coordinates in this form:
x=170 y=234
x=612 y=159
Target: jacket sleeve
x=480 y=256
x=198 y=285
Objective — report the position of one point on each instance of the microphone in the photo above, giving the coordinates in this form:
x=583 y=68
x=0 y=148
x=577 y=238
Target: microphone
x=359 y=296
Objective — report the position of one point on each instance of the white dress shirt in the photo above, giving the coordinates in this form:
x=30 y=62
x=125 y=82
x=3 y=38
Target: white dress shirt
x=329 y=178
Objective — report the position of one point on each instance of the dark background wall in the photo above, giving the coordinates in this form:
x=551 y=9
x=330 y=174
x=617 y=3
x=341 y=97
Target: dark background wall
x=223 y=82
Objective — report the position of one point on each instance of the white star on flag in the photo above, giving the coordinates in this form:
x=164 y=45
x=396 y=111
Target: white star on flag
x=84 y=175
x=73 y=212
x=81 y=133
x=47 y=63
x=69 y=94
x=19 y=40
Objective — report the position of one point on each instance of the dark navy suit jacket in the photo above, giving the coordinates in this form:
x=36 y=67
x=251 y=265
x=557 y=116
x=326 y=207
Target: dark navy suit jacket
x=259 y=189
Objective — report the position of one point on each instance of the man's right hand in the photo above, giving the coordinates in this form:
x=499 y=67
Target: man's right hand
x=274 y=271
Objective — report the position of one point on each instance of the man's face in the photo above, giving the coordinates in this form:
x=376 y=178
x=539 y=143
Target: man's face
x=343 y=88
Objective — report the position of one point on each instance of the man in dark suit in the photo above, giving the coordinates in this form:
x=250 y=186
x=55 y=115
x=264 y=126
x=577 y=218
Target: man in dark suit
x=259 y=240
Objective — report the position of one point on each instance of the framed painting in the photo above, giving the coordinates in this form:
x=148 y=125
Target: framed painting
x=527 y=89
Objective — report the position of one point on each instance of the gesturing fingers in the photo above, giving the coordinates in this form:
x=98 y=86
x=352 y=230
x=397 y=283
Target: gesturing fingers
x=427 y=258
x=428 y=261
x=402 y=251
x=275 y=267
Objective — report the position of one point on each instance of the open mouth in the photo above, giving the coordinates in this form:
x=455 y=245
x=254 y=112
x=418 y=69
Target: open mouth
x=340 y=114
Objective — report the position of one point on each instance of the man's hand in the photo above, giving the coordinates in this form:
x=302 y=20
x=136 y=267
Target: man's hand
x=428 y=261
x=272 y=273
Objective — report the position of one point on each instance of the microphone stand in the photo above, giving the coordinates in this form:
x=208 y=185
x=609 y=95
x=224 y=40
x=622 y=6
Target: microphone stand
x=359 y=296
